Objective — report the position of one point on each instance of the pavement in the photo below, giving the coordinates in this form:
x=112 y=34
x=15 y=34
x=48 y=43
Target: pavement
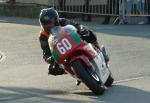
x=23 y=73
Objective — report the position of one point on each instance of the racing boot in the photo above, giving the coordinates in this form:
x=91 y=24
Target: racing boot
x=103 y=50
x=96 y=45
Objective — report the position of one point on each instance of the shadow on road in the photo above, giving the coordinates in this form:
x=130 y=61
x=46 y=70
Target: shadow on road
x=15 y=94
x=120 y=94
x=125 y=94
x=116 y=94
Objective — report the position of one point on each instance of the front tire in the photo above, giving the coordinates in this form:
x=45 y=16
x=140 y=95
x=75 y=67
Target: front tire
x=84 y=75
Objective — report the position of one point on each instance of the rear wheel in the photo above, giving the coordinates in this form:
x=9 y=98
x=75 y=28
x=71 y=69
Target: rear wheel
x=109 y=81
x=90 y=81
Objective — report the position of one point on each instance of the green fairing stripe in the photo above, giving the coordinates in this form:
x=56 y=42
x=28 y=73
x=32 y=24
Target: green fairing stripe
x=76 y=38
x=56 y=57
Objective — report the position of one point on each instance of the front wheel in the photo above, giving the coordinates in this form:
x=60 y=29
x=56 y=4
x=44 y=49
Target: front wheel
x=84 y=75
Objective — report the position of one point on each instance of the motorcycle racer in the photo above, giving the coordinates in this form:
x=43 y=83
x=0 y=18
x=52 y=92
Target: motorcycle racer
x=48 y=19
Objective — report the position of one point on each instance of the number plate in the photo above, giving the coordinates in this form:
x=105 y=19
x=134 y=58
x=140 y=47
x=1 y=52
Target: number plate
x=104 y=72
x=63 y=46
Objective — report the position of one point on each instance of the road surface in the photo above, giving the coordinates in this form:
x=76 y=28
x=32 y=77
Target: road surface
x=23 y=73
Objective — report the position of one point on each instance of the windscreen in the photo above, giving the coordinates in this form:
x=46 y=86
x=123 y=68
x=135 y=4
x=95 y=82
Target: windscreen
x=58 y=30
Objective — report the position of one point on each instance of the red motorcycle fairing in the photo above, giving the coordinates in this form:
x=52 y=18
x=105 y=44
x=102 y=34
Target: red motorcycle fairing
x=86 y=52
x=67 y=48
x=81 y=57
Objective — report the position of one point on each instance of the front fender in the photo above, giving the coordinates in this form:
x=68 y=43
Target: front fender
x=83 y=58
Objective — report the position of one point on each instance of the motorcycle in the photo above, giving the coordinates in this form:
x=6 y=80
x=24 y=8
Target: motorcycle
x=80 y=59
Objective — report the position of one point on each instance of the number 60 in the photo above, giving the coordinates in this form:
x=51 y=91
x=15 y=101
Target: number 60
x=63 y=46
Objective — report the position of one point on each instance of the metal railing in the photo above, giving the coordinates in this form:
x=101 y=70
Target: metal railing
x=96 y=7
x=123 y=9
x=133 y=8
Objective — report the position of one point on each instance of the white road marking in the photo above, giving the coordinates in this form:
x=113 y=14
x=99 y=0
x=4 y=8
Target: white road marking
x=129 y=79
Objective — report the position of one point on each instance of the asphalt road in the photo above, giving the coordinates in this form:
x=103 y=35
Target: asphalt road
x=23 y=73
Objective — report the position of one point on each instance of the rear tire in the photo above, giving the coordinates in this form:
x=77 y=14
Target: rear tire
x=84 y=75
x=109 y=81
